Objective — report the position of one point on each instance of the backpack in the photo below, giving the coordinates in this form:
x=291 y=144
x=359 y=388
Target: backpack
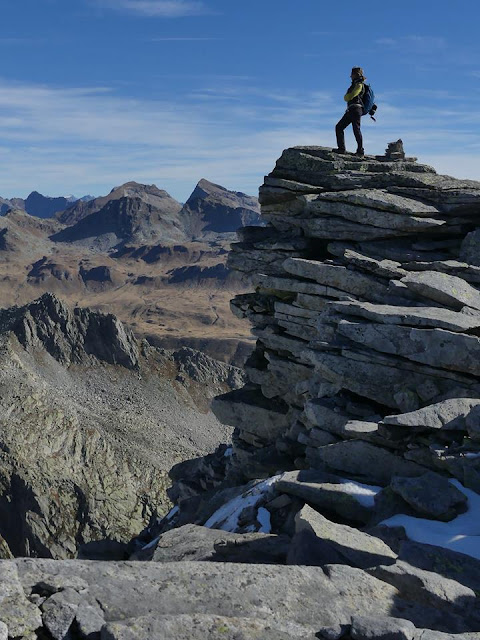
x=368 y=100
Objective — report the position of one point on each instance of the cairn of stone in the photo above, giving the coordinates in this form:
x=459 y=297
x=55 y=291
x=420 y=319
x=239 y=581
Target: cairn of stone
x=395 y=151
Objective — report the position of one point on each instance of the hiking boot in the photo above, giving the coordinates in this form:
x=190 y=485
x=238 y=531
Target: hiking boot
x=338 y=150
x=360 y=153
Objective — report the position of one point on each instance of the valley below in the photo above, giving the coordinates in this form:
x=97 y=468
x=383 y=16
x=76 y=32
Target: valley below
x=158 y=265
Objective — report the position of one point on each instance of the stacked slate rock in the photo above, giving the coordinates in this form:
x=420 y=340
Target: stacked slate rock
x=361 y=413
x=367 y=313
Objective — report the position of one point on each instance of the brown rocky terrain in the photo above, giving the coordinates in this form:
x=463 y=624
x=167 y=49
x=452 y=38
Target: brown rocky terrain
x=159 y=266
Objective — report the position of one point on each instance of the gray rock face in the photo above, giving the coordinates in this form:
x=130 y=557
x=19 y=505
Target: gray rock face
x=325 y=491
x=450 y=414
x=359 y=549
x=428 y=587
x=90 y=424
x=365 y=628
x=71 y=336
x=365 y=373
x=194 y=543
x=444 y=289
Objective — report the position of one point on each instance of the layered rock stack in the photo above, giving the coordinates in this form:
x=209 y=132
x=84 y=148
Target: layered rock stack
x=356 y=448
x=367 y=313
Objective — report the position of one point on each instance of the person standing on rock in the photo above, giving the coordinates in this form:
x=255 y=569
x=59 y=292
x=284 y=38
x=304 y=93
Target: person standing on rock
x=353 y=114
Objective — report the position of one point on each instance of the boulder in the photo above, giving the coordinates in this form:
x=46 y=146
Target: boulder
x=470 y=249
x=427 y=587
x=196 y=543
x=450 y=414
x=251 y=411
x=374 y=628
x=357 y=549
x=431 y=495
x=472 y=422
x=365 y=460
x=350 y=500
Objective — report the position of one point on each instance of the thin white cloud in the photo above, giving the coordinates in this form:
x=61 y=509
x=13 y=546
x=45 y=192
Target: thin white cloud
x=86 y=140
x=157 y=8
x=417 y=44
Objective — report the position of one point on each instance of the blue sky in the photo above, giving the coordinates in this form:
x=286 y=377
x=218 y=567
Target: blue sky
x=94 y=93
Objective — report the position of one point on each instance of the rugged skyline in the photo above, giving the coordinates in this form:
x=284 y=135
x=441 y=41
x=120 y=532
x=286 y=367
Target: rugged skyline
x=95 y=93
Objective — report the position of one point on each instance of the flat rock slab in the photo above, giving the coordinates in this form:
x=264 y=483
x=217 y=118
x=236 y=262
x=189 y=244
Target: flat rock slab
x=326 y=491
x=427 y=317
x=373 y=217
x=448 y=414
x=435 y=347
x=359 y=549
x=383 y=268
x=251 y=411
x=363 y=459
x=431 y=495
x=306 y=596
x=195 y=543
x=297 y=286
x=441 y=287
x=353 y=282
x=201 y=627
x=336 y=228
x=388 y=380
x=382 y=200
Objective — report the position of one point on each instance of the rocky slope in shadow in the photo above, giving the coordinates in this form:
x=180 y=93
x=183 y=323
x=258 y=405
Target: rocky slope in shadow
x=91 y=421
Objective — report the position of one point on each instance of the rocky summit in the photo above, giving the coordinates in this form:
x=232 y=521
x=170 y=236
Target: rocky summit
x=348 y=503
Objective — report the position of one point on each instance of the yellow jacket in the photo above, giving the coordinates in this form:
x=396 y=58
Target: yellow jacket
x=354 y=91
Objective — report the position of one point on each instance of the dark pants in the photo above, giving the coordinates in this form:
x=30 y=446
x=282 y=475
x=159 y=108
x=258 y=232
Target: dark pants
x=352 y=116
